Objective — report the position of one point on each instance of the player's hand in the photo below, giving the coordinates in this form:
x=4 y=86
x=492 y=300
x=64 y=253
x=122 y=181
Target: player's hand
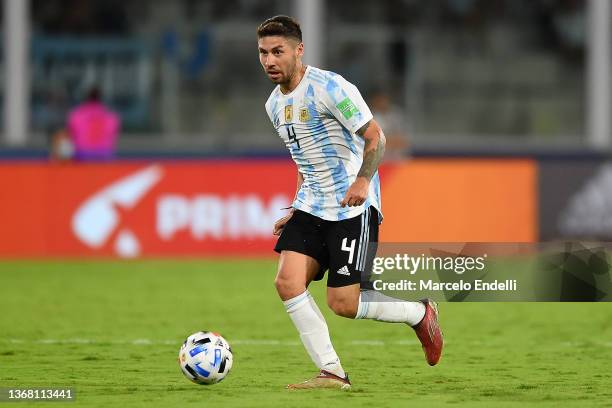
x=357 y=193
x=280 y=224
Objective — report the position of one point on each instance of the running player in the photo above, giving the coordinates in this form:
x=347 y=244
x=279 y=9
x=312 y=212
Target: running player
x=337 y=146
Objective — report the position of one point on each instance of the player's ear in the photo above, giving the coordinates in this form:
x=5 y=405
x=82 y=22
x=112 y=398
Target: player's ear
x=300 y=49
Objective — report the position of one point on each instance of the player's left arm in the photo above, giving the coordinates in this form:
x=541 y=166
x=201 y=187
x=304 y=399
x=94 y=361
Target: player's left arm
x=373 y=152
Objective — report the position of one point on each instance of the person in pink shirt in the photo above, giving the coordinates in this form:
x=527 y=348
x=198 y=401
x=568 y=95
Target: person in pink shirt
x=93 y=129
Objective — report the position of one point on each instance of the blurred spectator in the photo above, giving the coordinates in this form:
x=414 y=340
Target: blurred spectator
x=93 y=129
x=62 y=148
x=52 y=113
x=391 y=120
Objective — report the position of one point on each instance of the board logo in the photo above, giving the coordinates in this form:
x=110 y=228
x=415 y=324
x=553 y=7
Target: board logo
x=97 y=218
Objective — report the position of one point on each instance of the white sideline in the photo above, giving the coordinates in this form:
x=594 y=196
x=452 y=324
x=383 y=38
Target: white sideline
x=257 y=342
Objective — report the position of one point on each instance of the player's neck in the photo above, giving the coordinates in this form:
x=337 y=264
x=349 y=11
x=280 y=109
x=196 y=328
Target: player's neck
x=294 y=81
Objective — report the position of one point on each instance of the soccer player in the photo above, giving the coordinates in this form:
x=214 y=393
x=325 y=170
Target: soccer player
x=337 y=146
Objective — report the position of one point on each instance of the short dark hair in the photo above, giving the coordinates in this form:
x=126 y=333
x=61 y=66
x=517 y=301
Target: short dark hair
x=283 y=26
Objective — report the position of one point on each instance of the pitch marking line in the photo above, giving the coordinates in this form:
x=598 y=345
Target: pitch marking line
x=257 y=342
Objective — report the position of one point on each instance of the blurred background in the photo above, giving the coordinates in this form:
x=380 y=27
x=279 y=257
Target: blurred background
x=491 y=72
x=516 y=93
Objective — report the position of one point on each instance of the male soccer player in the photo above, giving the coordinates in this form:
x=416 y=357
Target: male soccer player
x=337 y=146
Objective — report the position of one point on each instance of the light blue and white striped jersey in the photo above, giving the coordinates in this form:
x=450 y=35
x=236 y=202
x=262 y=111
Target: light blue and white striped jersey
x=317 y=121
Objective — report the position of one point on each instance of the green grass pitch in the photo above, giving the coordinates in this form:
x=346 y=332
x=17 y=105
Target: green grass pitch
x=112 y=330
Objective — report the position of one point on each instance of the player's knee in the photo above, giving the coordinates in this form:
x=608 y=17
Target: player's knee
x=288 y=288
x=344 y=307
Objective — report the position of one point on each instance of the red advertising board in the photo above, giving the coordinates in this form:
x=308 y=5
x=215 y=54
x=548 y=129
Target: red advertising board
x=131 y=210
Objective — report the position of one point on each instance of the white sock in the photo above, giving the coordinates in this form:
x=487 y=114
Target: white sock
x=376 y=306
x=312 y=327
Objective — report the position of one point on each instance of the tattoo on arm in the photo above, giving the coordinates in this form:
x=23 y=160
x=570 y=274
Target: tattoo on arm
x=373 y=152
x=371 y=158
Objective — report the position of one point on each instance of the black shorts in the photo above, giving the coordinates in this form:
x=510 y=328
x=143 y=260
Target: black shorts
x=345 y=248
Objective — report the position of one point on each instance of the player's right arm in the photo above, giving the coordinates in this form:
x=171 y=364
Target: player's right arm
x=280 y=224
x=373 y=151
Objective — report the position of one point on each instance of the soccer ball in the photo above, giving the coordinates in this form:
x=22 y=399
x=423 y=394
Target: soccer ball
x=205 y=358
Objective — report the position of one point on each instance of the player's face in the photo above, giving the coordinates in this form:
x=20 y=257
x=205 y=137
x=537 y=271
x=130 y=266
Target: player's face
x=279 y=57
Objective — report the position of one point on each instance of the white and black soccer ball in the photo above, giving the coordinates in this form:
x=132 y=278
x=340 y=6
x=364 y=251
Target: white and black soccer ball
x=205 y=358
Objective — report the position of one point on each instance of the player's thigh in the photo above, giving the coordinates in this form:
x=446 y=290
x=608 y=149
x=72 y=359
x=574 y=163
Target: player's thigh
x=295 y=272
x=344 y=301
x=303 y=254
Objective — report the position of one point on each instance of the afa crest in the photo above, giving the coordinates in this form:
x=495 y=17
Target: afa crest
x=304 y=115
x=288 y=113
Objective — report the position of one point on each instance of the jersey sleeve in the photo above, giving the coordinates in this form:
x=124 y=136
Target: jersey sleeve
x=343 y=100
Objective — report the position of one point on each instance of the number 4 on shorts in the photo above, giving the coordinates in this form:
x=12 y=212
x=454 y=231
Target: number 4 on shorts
x=349 y=249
